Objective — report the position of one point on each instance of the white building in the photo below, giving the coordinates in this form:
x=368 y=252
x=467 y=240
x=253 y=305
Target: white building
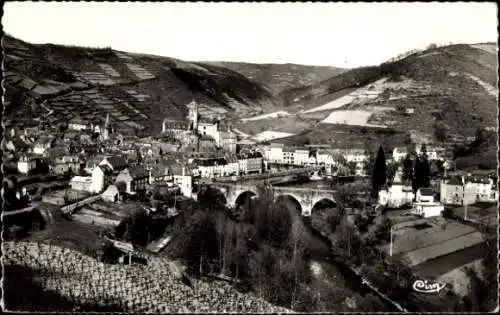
x=424 y=195
x=111 y=194
x=78 y=124
x=427 y=209
x=274 y=154
x=481 y=189
x=209 y=129
x=82 y=183
x=396 y=195
x=232 y=167
x=26 y=164
x=99 y=178
x=183 y=179
x=301 y=156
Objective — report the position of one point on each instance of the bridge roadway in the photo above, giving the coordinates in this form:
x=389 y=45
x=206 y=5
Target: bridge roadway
x=274 y=177
x=306 y=198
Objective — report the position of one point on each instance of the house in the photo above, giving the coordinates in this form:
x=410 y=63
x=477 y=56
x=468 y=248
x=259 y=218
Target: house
x=399 y=154
x=111 y=194
x=117 y=163
x=427 y=209
x=452 y=191
x=135 y=179
x=101 y=176
x=301 y=156
x=479 y=188
x=82 y=183
x=228 y=141
x=91 y=162
x=183 y=179
x=78 y=124
x=159 y=172
x=66 y=163
x=274 y=154
x=288 y=156
x=353 y=155
x=250 y=163
x=232 y=166
x=175 y=126
x=26 y=164
x=424 y=195
x=42 y=145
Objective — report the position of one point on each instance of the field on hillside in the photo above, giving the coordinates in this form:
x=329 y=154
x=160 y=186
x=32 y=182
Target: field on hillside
x=350 y=136
x=288 y=124
x=451 y=86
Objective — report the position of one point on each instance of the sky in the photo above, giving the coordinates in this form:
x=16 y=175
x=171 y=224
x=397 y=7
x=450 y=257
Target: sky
x=329 y=34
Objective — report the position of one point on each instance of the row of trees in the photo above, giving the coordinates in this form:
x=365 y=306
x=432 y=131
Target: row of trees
x=259 y=245
x=416 y=169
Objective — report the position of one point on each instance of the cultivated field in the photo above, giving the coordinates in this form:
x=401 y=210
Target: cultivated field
x=133 y=288
x=271 y=135
x=277 y=114
x=442 y=237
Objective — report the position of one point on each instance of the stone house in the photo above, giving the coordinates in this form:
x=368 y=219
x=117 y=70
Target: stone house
x=117 y=163
x=111 y=194
x=135 y=179
x=452 y=191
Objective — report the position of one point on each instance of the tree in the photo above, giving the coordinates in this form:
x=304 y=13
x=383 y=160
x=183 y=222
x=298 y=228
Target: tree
x=439 y=132
x=407 y=168
x=379 y=175
x=422 y=173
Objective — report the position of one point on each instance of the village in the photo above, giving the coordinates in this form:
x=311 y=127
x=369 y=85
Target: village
x=100 y=177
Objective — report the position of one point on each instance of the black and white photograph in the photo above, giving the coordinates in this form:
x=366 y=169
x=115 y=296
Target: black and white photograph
x=250 y=157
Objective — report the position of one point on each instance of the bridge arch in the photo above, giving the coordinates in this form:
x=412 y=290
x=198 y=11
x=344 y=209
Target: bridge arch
x=324 y=202
x=242 y=197
x=285 y=197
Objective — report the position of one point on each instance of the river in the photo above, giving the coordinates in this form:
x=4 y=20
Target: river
x=331 y=271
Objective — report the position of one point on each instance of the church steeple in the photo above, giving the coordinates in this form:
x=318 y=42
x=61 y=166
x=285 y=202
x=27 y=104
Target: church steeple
x=106 y=128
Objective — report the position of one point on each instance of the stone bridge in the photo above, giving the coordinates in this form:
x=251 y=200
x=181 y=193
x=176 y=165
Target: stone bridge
x=306 y=198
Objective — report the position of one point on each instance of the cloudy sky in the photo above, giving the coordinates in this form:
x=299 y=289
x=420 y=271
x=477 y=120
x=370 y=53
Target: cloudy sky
x=335 y=34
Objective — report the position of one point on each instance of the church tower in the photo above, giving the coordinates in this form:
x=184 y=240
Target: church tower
x=106 y=128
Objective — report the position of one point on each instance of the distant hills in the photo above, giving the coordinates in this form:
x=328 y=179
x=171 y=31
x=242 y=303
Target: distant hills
x=279 y=78
x=440 y=94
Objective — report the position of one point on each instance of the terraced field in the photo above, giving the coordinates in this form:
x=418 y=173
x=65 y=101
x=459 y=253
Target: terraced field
x=138 y=91
x=151 y=288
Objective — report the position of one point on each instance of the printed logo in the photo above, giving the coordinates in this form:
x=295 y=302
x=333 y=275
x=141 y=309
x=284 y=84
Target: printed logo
x=427 y=287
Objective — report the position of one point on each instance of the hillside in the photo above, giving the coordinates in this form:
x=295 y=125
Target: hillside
x=442 y=94
x=279 y=78
x=138 y=91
